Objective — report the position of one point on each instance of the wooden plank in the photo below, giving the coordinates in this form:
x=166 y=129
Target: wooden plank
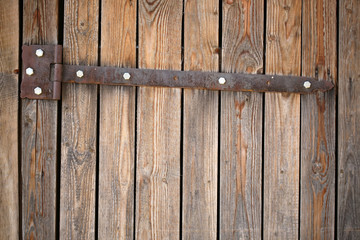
x=158 y=126
x=348 y=226
x=78 y=133
x=317 y=216
x=117 y=123
x=9 y=58
x=200 y=127
x=241 y=123
x=282 y=122
x=39 y=133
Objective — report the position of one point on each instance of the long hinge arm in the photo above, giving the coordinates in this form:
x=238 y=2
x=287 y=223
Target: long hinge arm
x=43 y=74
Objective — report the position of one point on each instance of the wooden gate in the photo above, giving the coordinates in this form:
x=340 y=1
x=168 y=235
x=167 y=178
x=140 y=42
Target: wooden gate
x=113 y=162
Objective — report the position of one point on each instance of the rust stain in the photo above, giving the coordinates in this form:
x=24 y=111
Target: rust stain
x=318 y=211
x=320 y=56
x=37 y=22
x=241 y=151
x=246 y=6
x=322 y=156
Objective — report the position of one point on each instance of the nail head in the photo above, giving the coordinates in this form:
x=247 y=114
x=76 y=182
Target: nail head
x=39 y=53
x=29 y=71
x=38 y=91
x=307 y=84
x=222 y=80
x=79 y=73
x=126 y=76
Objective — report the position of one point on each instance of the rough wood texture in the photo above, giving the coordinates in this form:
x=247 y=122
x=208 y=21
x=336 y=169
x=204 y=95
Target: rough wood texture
x=117 y=123
x=39 y=133
x=78 y=137
x=349 y=121
x=282 y=122
x=241 y=123
x=9 y=54
x=200 y=134
x=158 y=126
x=317 y=216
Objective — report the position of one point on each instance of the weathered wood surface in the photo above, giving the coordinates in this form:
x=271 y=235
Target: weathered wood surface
x=348 y=224
x=117 y=123
x=200 y=125
x=79 y=123
x=158 y=124
x=39 y=131
x=9 y=157
x=317 y=206
x=282 y=122
x=241 y=123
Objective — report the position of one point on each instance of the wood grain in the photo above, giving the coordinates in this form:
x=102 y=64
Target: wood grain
x=241 y=123
x=117 y=123
x=158 y=125
x=200 y=127
x=39 y=133
x=348 y=224
x=9 y=157
x=282 y=122
x=78 y=133
x=317 y=206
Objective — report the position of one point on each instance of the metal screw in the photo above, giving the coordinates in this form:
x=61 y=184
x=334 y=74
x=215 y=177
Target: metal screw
x=222 y=80
x=79 y=73
x=307 y=84
x=126 y=76
x=29 y=71
x=38 y=91
x=39 y=52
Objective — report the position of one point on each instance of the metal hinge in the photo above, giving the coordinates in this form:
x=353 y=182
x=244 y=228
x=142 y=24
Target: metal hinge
x=43 y=74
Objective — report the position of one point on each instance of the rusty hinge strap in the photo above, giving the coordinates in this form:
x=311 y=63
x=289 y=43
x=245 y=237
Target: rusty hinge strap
x=48 y=73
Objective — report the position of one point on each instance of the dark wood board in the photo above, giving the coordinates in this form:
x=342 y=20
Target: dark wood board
x=282 y=122
x=39 y=131
x=117 y=123
x=158 y=124
x=241 y=123
x=317 y=203
x=9 y=93
x=200 y=125
x=348 y=208
x=79 y=124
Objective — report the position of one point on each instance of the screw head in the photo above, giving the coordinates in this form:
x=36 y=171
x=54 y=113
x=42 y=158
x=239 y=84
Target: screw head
x=79 y=73
x=29 y=71
x=222 y=80
x=126 y=76
x=307 y=84
x=39 y=52
x=38 y=91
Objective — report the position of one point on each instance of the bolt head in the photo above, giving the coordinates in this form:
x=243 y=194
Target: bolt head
x=29 y=71
x=39 y=52
x=38 y=91
x=79 y=73
x=222 y=80
x=307 y=84
x=126 y=76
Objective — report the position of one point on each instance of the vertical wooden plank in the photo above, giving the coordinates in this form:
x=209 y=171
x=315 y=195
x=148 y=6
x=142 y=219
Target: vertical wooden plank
x=158 y=126
x=282 y=122
x=200 y=143
x=349 y=121
x=9 y=57
x=241 y=123
x=317 y=217
x=117 y=123
x=78 y=133
x=39 y=133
